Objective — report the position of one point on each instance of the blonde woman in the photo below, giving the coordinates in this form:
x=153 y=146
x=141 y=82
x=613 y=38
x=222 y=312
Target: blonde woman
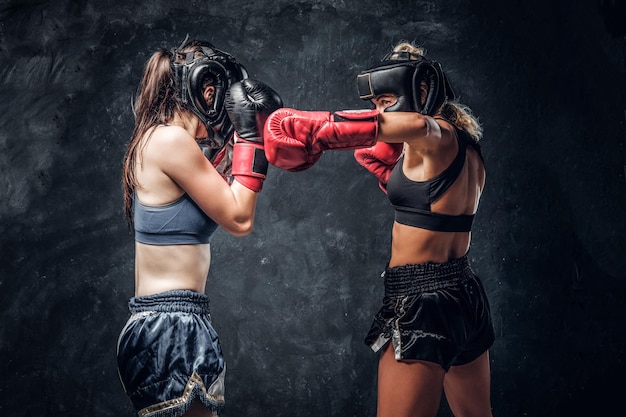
x=434 y=329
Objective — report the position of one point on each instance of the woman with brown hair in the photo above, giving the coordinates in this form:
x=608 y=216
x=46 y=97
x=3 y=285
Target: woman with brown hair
x=185 y=175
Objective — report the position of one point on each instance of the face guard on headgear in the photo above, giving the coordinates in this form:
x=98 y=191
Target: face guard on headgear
x=191 y=78
x=402 y=78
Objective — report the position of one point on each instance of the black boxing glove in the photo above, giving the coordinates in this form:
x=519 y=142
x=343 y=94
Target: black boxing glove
x=248 y=104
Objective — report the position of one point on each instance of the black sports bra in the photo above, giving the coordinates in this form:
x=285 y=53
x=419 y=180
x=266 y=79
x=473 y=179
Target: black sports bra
x=412 y=199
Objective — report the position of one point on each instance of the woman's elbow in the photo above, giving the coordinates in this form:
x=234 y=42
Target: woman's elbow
x=241 y=227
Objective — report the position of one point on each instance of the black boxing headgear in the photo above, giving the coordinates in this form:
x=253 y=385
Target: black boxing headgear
x=207 y=63
x=402 y=78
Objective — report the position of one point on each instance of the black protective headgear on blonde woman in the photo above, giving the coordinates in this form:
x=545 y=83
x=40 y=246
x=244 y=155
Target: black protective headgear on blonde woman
x=191 y=76
x=402 y=78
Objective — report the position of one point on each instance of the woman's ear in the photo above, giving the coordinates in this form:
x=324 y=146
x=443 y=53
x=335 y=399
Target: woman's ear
x=209 y=94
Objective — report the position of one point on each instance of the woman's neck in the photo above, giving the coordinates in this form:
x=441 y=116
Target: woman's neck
x=188 y=122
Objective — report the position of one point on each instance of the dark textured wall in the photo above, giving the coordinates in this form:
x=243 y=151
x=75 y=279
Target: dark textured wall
x=293 y=300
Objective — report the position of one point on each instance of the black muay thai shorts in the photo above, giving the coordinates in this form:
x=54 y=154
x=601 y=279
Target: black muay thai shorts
x=433 y=312
x=168 y=354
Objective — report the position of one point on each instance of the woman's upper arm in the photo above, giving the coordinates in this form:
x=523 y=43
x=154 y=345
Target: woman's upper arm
x=183 y=161
x=413 y=128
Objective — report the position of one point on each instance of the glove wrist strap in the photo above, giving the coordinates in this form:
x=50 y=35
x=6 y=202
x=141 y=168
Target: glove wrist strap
x=249 y=164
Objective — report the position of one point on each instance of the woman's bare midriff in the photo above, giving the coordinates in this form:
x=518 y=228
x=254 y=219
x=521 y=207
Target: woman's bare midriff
x=171 y=267
x=412 y=245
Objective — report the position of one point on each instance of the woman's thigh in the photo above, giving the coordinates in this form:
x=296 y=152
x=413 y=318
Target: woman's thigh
x=408 y=389
x=467 y=388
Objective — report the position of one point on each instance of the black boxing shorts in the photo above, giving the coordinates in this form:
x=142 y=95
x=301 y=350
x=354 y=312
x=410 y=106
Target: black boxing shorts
x=433 y=312
x=168 y=354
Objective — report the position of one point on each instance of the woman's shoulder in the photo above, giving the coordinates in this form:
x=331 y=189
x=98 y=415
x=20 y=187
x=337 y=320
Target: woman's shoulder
x=440 y=137
x=164 y=135
x=165 y=144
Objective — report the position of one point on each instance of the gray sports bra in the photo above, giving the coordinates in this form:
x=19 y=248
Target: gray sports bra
x=180 y=222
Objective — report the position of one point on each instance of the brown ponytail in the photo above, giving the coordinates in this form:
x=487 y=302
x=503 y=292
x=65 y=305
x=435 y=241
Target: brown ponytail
x=156 y=103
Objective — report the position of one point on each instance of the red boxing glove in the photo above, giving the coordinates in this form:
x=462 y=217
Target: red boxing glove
x=295 y=140
x=380 y=160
